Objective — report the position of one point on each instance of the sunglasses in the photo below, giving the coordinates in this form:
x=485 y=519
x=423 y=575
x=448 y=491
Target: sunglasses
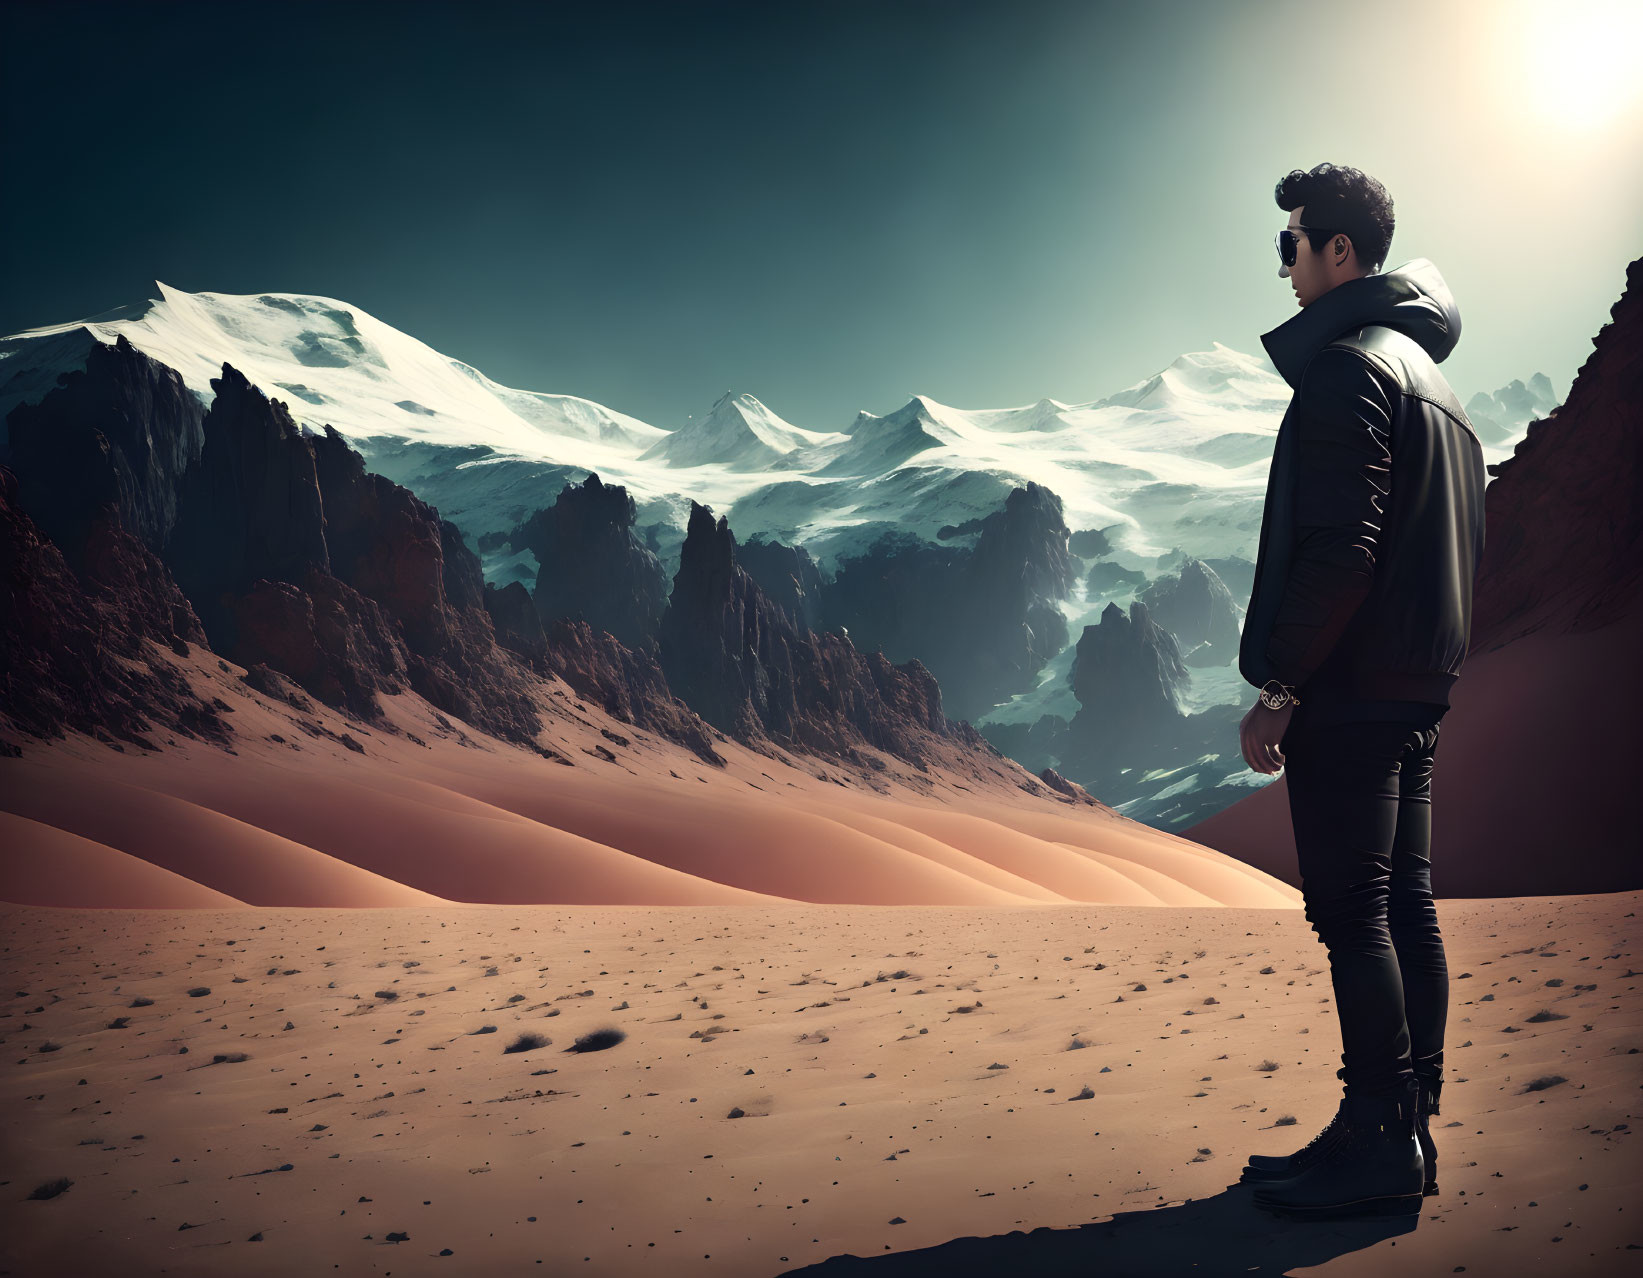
x=1289 y=242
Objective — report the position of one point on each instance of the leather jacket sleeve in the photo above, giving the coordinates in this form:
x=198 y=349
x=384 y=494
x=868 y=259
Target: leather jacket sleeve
x=1344 y=479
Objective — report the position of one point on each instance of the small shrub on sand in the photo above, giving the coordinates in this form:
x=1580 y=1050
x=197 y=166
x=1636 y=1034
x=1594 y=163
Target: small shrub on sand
x=597 y=1041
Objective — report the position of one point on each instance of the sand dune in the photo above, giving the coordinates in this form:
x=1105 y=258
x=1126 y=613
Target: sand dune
x=438 y=851
x=334 y=832
x=1165 y=868
x=878 y=817
x=47 y=866
x=190 y=839
x=431 y=812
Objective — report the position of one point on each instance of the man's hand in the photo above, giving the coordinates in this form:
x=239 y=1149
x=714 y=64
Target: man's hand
x=1259 y=734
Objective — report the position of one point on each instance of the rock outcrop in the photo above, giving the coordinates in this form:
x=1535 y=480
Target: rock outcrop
x=1061 y=785
x=788 y=576
x=119 y=433
x=592 y=564
x=627 y=684
x=1090 y=543
x=1127 y=674
x=79 y=649
x=274 y=546
x=298 y=557
x=1197 y=608
x=516 y=624
x=984 y=620
x=1108 y=576
x=739 y=661
x=1564 y=513
x=89 y=498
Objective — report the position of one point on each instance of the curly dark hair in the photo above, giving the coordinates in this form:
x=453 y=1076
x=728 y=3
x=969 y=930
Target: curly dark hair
x=1347 y=200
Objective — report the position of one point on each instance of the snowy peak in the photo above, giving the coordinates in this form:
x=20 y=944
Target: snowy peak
x=121 y=314
x=919 y=409
x=1222 y=378
x=1046 y=416
x=738 y=432
x=334 y=364
x=1508 y=412
x=878 y=445
x=963 y=427
x=1175 y=462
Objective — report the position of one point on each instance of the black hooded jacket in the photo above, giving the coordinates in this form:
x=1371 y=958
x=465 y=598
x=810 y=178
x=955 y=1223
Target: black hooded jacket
x=1372 y=533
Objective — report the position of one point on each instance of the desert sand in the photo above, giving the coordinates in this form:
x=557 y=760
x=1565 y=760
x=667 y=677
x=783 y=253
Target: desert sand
x=850 y=1011
x=427 y=812
x=330 y=1090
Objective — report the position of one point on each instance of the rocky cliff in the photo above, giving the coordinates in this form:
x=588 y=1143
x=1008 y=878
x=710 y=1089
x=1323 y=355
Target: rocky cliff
x=592 y=564
x=788 y=575
x=983 y=619
x=275 y=547
x=1564 y=518
x=119 y=434
x=1198 y=609
x=744 y=666
x=299 y=558
x=77 y=646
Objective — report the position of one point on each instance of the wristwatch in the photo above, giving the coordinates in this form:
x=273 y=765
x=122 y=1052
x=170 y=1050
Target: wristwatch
x=1275 y=695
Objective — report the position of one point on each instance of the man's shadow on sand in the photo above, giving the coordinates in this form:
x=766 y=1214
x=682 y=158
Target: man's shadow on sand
x=1226 y=1236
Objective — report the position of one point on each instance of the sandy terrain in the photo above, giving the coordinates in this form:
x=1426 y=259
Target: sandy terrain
x=902 y=1073
x=432 y=813
x=881 y=974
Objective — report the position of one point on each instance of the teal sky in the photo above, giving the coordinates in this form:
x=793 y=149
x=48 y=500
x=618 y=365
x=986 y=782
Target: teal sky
x=832 y=206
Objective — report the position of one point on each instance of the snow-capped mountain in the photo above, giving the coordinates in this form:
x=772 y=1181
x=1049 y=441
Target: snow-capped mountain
x=1175 y=464
x=877 y=445
x=1172 y=466
x=737 y=431
x=1508 y=412
x=1204 y=381
x=333 y=363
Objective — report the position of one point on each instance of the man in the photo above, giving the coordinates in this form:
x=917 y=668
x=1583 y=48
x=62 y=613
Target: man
x=1357 y=626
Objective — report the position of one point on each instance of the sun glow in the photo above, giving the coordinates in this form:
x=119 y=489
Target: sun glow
x=1582 y=59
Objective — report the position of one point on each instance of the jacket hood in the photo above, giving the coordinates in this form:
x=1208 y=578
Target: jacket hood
x=1412 y=299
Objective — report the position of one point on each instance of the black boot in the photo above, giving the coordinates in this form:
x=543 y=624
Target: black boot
x=1373 y=1169
x=1267 y=1167
x=1426 y=1104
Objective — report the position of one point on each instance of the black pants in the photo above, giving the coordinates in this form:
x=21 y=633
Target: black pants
x=1360 y=797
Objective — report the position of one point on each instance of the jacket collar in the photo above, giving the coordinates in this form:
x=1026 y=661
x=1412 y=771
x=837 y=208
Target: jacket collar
x=1412 y=299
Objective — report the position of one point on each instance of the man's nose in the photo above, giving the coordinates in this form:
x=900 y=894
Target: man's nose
x=1283 y=272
